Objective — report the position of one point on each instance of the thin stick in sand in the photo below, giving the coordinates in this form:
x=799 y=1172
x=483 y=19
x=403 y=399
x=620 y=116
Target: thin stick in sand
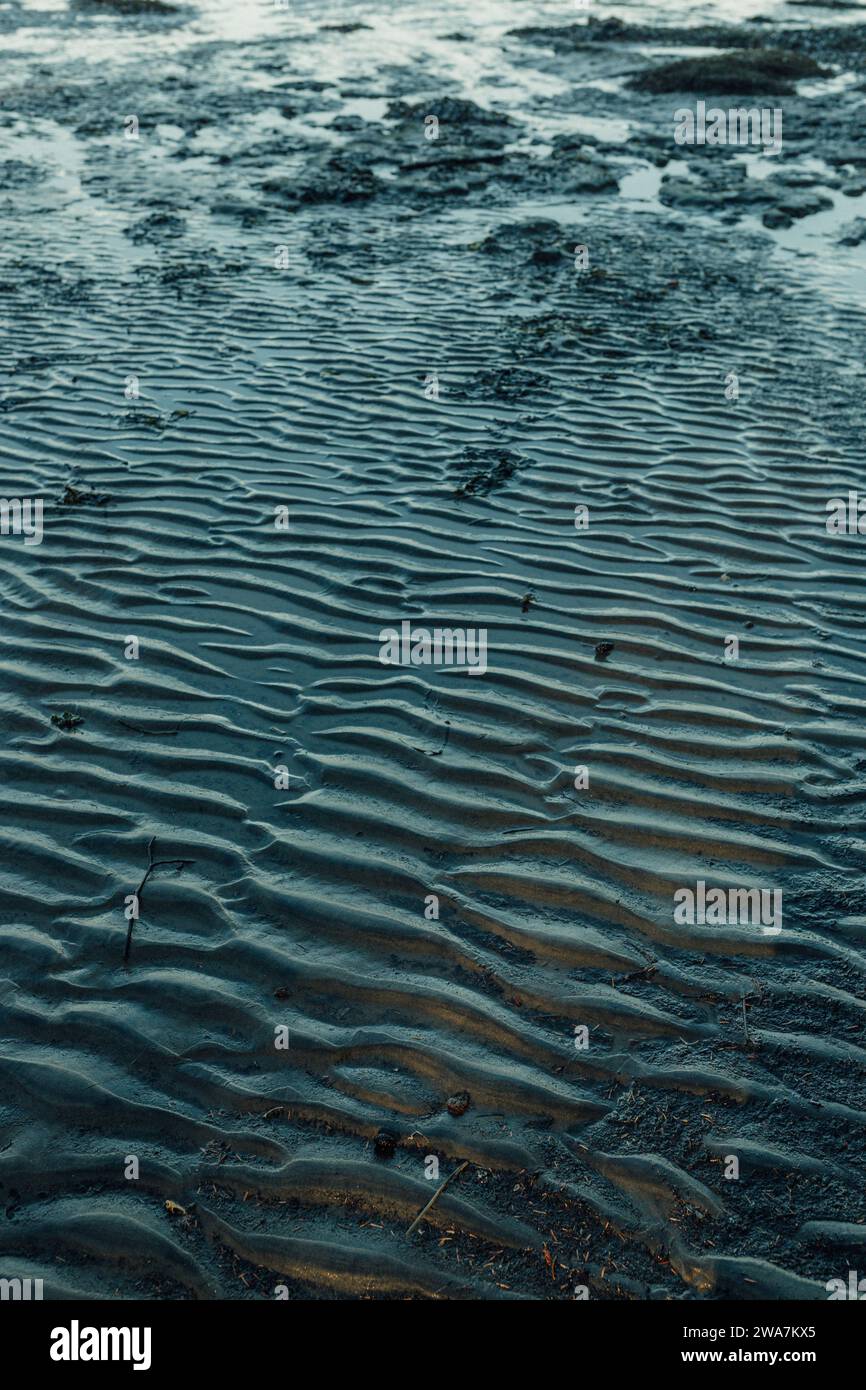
x=152 y=864
x=436 y=1195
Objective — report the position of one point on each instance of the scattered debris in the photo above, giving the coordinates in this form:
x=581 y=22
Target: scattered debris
x=67 y=721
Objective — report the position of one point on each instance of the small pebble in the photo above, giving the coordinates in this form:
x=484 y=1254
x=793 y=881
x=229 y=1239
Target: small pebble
x=384 y=1144
x=458 y=1104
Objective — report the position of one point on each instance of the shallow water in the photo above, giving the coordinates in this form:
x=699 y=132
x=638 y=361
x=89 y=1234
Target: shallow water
x=303 y=907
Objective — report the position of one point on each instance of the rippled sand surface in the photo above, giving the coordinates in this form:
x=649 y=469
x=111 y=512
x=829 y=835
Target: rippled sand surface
x=284 y=340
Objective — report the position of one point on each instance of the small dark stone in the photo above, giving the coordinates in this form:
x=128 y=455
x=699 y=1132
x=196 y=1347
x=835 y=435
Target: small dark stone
x=459 y=1103
x=384 y=1144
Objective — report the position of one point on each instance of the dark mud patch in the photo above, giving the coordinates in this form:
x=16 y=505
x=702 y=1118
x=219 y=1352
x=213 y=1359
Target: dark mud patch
x=449 y=111
x=156 y=227
x=74 y=496
x=485 y=470
x=841 y=43
x=724 y=187
x=200 y=279
x=130 y=7
x=854 y=234
x=326 y=178
x=38 y=283
x=540 y=243
x=771 y=71
x=508 y=384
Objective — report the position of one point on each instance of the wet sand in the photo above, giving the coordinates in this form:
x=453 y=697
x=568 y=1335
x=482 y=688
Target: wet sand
x=284 y=295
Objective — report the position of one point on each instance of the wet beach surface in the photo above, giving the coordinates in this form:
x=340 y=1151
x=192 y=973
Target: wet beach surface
x=284 y=294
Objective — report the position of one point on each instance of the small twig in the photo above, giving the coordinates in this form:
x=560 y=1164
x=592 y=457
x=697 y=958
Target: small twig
x=436 y=1195
x=152 y=864
x=646 y=972
x=746 y=1023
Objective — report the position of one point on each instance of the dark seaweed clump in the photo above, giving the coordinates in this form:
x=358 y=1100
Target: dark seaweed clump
x=773 y=70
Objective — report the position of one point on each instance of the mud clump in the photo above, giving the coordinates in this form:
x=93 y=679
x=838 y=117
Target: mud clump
x=448 y=111
x=725 y=188
x=854 y=233
x=581 y=166
x=794 y=204
x=509 y=384
x=83 y=497
x=67 y=721
x=541 y=242
x=155 y=227
x=833 y=42
x=338 y=178
x=487 y=469
x=551 y=334
x=467 y=150
x=763 y=70
x=459 y=1103
x=565 y=36
x=385 y=1144
x=610 y=30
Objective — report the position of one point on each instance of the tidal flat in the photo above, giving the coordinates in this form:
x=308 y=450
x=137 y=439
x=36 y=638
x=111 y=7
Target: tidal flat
x=323 y=322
